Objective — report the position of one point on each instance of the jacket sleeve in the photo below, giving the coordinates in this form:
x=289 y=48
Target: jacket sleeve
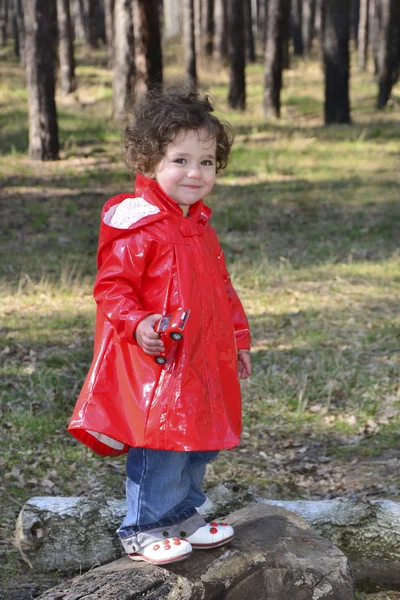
x=240 y=322
x=117 y=285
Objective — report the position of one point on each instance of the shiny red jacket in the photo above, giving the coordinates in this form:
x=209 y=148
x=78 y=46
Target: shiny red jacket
x=155 y=262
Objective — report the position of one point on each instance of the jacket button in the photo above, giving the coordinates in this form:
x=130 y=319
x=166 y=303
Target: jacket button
x=165 y=533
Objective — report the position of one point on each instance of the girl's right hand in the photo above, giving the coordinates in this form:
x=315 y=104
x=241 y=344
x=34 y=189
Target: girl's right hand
x=147 y=338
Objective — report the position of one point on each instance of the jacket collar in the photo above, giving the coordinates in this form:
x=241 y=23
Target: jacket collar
x=150 y=190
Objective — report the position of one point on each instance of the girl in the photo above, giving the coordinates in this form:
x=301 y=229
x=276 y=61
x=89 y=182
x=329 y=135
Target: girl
x=158 y=252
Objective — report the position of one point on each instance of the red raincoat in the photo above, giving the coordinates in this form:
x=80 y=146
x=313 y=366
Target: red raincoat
x=163 y=261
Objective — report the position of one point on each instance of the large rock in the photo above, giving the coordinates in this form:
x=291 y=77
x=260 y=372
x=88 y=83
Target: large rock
x=275 y=555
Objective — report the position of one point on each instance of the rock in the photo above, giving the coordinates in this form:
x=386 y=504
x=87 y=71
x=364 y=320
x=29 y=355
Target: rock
x=275 y=555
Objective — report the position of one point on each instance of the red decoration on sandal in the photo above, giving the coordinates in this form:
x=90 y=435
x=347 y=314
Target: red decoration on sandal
x=156 y=547
x=178 y=543
x=224 y=524
x=167 y=547
x=213 y=530
x=214 y=524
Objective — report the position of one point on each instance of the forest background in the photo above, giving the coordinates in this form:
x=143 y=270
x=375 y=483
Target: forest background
x=308 y=215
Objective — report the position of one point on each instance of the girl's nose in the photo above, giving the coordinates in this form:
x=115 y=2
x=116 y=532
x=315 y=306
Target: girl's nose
x=194 y=173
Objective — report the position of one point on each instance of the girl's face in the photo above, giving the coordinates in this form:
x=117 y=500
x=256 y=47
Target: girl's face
x=187 y=172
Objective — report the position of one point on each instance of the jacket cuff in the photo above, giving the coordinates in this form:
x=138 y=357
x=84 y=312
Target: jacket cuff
x=243 y=339
x=131 y=325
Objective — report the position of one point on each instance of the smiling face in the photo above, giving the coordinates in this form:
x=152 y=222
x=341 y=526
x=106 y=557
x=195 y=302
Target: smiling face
x=187 y=172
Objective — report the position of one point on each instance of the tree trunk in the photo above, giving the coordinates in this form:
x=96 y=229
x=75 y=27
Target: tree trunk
x=388 y=47
x=40 y=21
x=366 y=531
x=355 y=20
x=91 y=23
x=221 y=31
x=3 y=22
x=78 y=20
x=335 y=27
x=248 y=19
x=296 y=19
x=209 y=27
x=237 y=77
x=278 y=14
x=109 y=29
x=189 y=42
x=308 y=25
x=124 y=65
x=19 y=30
x=148 y=53
x=66 y=48
x=286 y=36
x=363 y=35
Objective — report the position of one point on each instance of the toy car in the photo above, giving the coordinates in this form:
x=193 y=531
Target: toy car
x=171 y=328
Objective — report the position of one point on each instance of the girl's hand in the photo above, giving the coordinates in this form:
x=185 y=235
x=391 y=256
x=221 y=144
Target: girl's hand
x=147 y=338
x=244 y=364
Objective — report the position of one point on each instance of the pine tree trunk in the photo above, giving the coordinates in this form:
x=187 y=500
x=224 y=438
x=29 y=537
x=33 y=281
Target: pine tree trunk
x=40 y=19
x=66 y=48
x=308 y=25
x=3 y=22
x=296 y=26
x=109 y=28
x=363 y=35
x=355 y=20
x=278 y=14
x=248 y=17
x=209 y=27
x=91 y=23
x=78 y=20
x=19 y=30
x=148 y=54
x=336 y=31
x=221 y=31
x=189 y=42
x=124 y=67
x=388 y=48
x=237 y=78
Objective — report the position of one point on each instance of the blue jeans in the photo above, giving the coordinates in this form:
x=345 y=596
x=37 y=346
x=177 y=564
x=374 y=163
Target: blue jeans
x=162 y=491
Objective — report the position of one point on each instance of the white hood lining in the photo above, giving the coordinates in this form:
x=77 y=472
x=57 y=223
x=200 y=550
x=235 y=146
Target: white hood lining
x=128 y=212
x=108 y=441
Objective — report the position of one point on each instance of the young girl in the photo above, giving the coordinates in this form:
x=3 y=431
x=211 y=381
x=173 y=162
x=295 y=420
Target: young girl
x=158 y=252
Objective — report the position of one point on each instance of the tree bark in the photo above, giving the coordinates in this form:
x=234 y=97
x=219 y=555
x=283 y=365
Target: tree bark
x=3 y=22
x=66 y=48
x=296 y=22
x=221 y=31
x=363 y=35
x=109 y=29
x=336 y=29
x=189 y=42
x=308 y=25
x=78 y=20
x=19 y=30
x=278 y=15
x=208 y=27
x=366 y=531
x=148 y=53
x=355 y=20
x=388 y=48
x=40 y=20
x=124 y=65
x=249 y=37
x=91 y=23
x=237 y=77
x=274 y=552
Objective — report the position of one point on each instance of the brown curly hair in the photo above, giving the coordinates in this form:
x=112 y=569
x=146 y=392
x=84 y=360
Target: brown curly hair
x=160 y=117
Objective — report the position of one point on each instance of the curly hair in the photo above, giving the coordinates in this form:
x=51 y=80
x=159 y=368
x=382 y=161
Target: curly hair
x=160 y=117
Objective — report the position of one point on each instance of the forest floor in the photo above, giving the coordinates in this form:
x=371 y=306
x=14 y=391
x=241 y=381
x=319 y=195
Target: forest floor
x=309 y=219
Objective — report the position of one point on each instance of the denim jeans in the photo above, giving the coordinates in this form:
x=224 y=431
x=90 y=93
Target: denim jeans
x=162 y=490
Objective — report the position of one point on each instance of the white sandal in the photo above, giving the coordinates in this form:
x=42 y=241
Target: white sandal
x=211 y=535
x=162 y=552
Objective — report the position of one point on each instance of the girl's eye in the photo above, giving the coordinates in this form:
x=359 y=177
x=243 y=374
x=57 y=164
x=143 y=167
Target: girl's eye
x=207 y=163
x=180 y=161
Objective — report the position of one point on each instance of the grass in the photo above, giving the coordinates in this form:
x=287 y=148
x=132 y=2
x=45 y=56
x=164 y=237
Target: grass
x=309 y=220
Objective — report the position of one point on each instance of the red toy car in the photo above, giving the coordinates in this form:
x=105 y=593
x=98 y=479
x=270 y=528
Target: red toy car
x=170 y=328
